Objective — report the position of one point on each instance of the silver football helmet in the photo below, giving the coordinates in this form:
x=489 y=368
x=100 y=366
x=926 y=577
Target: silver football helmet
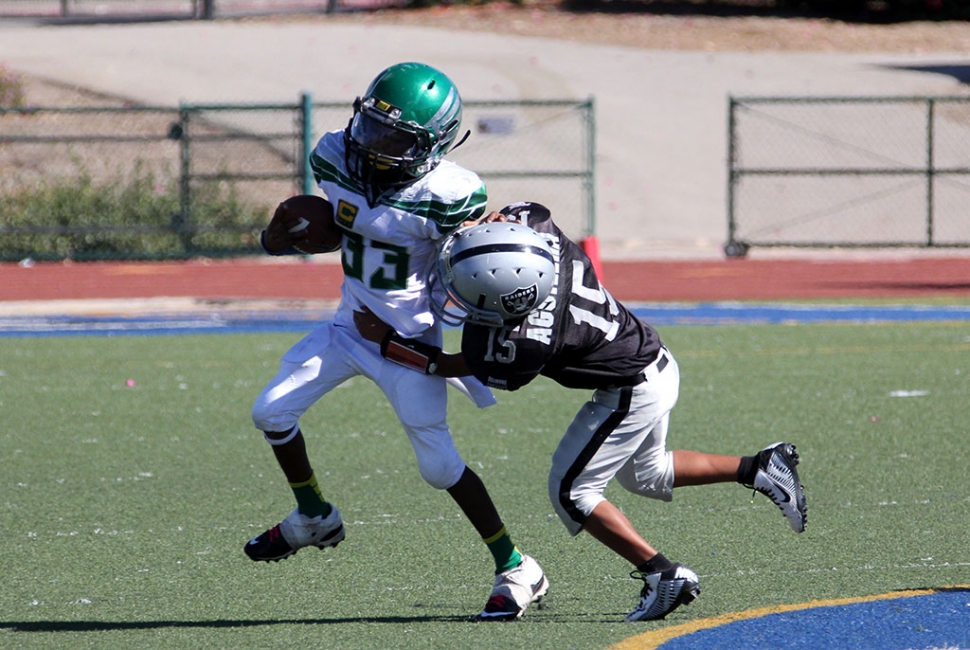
x=491 y=274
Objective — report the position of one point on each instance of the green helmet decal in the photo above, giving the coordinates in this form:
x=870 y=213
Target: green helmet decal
x=402 y=127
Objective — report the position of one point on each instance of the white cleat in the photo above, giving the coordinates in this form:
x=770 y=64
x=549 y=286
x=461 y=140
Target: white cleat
x=778 y=480
x=514 y=591
x=663 y=592
x=293 y=533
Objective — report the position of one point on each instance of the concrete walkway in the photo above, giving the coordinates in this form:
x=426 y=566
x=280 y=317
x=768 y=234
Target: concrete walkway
x=661 y=116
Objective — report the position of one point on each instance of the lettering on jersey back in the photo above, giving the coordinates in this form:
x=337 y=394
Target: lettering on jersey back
x=543 y=320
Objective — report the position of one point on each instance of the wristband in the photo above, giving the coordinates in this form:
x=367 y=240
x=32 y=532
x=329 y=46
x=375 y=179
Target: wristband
x=410 y=353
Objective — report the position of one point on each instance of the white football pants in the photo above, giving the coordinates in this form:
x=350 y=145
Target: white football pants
x=620 y=432
x=330 y=355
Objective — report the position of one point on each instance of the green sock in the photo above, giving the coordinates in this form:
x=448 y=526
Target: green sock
x=309 y=500
x=504 y=551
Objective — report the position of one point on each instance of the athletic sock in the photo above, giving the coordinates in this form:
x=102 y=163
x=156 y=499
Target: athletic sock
x=309 y=500
x=503 y=550
x=747 y=470
x=657 y=564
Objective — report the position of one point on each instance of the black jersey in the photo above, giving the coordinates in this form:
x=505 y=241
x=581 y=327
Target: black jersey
x=579 y=336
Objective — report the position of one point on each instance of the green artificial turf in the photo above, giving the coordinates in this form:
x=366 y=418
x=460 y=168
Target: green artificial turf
x=131 y=476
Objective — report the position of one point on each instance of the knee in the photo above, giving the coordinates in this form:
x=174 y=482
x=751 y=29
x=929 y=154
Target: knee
x=262 y=415
x=572 y=505
x=441 y=473
x=439 y=462
x=655 y=481
x=267 y=417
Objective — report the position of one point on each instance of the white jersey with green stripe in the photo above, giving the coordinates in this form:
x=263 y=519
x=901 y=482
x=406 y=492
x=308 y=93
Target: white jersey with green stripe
x=388 y=247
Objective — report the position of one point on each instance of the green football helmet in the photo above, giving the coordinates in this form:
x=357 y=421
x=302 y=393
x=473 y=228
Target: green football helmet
x=402 y=127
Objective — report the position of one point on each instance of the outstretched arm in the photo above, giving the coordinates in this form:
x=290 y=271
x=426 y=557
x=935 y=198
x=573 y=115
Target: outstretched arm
x=418 y=356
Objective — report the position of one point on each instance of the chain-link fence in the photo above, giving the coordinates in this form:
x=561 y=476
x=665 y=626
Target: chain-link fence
x=128 y=182
x=82 y=11
x=107 y=10
x=848 y=172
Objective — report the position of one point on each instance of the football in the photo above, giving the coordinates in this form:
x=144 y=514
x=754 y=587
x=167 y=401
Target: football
x=313 y=214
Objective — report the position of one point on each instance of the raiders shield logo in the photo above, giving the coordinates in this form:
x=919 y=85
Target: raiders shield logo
x=521 y=301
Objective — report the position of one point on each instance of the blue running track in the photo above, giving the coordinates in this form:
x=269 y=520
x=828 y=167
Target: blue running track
x=658 y=314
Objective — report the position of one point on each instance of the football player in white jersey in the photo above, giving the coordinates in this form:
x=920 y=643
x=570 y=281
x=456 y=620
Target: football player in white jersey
x=395 y=197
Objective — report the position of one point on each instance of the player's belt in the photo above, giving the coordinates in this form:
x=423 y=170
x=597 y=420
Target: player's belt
x=660 y=362
x=663 y=358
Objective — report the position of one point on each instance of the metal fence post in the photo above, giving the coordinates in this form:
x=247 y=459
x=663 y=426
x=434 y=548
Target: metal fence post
x=590 y=168
x=306 y=125
x=180 y=222
x=930 y=171
x=590 y=242
x=732 y=248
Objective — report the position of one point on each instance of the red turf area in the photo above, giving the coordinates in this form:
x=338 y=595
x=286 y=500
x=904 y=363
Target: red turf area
x=691 y=281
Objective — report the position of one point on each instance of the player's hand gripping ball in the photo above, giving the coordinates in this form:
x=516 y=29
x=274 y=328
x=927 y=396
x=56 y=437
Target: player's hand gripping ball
x=304 y=222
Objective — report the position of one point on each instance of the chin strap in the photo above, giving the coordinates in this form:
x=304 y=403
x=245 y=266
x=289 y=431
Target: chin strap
x=462 y=141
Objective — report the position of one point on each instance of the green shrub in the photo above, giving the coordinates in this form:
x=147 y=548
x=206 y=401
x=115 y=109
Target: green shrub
x=135 y=218
x=11 y=89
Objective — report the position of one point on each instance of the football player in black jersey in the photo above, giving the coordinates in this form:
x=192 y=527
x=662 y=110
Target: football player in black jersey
x=531 y=304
